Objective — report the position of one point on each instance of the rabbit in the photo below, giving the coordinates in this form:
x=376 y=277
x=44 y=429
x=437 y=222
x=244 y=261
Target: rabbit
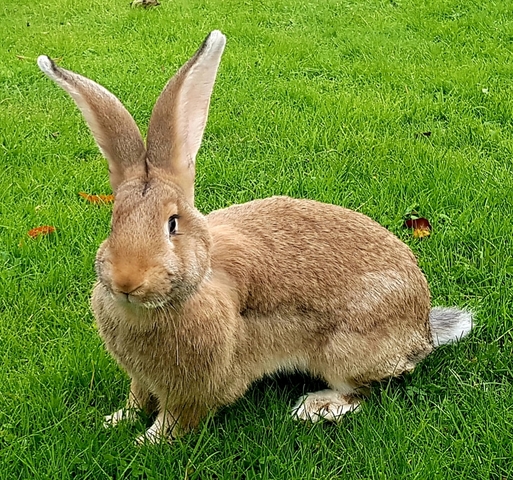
x=196 y=308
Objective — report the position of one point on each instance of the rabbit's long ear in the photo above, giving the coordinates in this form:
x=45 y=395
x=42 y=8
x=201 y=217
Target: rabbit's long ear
x=180 y=114
x=112 y=126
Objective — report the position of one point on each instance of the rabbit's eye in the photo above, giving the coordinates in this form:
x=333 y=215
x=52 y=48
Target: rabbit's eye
x=172 y=224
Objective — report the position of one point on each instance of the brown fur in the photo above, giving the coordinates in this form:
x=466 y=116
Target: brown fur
x=275 y=284
x=290 y=285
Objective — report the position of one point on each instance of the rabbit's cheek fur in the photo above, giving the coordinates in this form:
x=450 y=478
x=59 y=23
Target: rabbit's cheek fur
x=171 y=273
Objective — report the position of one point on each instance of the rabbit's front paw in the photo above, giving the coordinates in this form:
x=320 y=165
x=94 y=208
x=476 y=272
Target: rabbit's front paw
x=324 y=405
x=157 y=433
x=122 y=415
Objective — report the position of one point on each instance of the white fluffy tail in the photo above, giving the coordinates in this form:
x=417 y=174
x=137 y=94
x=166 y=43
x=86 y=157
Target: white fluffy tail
x=449 y=324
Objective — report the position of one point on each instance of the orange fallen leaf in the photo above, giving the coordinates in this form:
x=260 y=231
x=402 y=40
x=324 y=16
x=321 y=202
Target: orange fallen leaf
x=421 y=227
x=421 y=232
x=415 y=222
x=38 y=231
x=97 y=199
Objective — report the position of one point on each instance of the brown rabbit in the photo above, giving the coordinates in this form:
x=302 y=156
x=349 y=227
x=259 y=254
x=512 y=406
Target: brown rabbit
x=196 y=308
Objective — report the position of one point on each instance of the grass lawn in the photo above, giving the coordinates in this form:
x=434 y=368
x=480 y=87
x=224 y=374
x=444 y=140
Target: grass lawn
x=328 y=100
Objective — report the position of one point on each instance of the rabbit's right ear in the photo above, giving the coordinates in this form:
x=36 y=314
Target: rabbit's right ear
x=113 y=128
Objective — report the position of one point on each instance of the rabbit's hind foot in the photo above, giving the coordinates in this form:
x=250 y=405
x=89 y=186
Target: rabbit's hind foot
x=324 y=405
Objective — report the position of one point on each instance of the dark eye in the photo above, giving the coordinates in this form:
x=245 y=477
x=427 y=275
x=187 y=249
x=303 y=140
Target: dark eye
x=172 y=224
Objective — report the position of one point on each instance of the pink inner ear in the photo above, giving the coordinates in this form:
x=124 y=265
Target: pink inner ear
x=180 y=114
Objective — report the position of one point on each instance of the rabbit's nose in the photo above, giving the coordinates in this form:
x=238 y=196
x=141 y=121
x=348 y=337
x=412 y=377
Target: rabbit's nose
x=127 y=283
x=129 y=292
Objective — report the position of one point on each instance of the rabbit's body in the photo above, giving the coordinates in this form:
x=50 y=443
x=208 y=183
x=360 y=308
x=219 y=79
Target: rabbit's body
x=319 y=288
x=196 y=308
x=293 y=285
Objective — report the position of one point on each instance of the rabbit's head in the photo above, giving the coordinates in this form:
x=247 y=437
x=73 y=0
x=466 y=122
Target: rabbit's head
x=158 y=249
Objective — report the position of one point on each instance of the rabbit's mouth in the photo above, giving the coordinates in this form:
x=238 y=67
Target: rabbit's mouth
x=148 y=301
x=151 y=297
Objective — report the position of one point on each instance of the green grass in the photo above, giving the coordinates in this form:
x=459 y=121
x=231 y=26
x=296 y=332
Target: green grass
x=323 y=100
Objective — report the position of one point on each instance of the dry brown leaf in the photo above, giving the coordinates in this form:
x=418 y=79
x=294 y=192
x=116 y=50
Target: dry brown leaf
x=423 y=134
x=145 y=3
x=97 y=199
x=421 y=232
x=421 y=227
x=38 y=231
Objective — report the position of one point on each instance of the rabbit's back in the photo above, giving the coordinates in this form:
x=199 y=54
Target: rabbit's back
x=311 y=254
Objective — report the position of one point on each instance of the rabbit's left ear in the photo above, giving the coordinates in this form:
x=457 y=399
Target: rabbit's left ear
x=179 y=117
x=113 y=128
